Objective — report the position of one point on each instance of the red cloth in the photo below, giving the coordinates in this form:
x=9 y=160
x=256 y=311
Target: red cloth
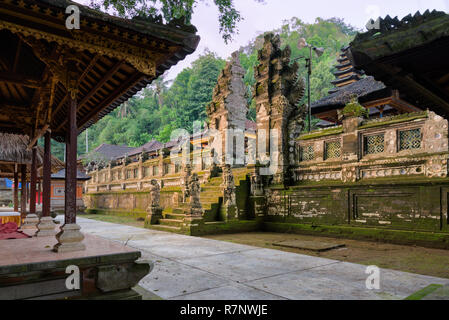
x=9 y=231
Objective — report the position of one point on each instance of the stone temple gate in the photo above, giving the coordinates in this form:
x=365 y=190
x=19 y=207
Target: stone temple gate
x=376 y=169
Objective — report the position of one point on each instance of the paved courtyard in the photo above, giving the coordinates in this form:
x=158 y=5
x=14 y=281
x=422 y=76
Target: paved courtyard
x=194 y=268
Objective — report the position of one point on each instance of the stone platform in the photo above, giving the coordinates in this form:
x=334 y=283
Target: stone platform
x=29 y=269
x=191 y=268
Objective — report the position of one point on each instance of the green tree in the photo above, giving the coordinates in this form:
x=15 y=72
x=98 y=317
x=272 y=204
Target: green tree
x=228 y=15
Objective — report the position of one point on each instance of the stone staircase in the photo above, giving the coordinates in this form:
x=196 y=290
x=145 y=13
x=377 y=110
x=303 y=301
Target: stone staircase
x=211 y=198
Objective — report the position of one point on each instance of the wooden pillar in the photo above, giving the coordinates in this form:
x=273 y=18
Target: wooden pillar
x=23 y=195
x=39 y=192
x=46 y=183
x=33 y=181
x=70 y=165
x=70 y=238
x=46 y=226
x=16 y=188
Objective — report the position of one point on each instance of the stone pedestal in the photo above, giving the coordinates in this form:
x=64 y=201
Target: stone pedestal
x=31 y=221
x=46 y=227
x=69 y=239
x=231 y=213
x=196 y=212
x=153 y=216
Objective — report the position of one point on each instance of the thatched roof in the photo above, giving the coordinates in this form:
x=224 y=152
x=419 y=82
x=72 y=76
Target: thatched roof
x=13 y=150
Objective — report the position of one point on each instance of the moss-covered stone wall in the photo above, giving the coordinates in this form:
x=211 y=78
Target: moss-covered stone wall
x=130 y=201
x=406 y=206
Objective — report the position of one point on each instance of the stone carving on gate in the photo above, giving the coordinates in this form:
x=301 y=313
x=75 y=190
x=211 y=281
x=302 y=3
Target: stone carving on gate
x=186 y=182
x=277 y=92
x=228 y=187
x=196 y=209
x=154 y=210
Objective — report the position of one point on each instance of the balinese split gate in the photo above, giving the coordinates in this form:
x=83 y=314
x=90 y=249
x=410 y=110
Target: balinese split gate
x=376 y=168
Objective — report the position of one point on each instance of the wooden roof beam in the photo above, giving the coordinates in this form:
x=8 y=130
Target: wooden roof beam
x=135 y=78
x=95 y=89
x=20 y=80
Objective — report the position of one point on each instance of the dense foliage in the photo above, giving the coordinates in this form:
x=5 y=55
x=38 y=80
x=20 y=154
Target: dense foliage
x=164 y=106
x=228 y=15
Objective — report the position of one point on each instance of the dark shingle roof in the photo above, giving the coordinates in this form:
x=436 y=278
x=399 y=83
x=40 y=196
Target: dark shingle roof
x=61 y=175
x=362 y=88
x=111 y=152
x=153 y=145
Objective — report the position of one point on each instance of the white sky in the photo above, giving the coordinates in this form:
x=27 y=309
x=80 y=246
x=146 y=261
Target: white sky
x=263 y=17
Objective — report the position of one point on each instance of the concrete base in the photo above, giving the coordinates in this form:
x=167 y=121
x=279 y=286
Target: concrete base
x=46 y=227
x=69 y=239
x=30 y=270
x=31 y=221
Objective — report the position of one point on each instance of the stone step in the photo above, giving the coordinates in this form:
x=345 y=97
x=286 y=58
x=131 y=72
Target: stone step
x=205 y=199
x=174 y=216
x=171 y=222
x=165 y=228
x=211 y=189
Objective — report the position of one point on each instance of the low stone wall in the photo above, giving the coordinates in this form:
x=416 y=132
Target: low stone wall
x=130 y=202
x=400 y=205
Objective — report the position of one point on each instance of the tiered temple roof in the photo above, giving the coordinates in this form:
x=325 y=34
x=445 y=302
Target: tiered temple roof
x=346 y=73
x=351 y=81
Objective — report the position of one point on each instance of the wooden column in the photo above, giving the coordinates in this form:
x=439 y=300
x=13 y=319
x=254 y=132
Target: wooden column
x=39 y=192
x=70 y=165
x=23 y=195
x=46 y=183
x=16 y=188
x=33 y=181
x=70 y=238
x=46 y=226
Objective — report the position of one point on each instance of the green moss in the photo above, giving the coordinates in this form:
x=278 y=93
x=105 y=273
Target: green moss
x=418 y=295
x=425 y=239
x=135 y=213
x=224 y=228
x=394 y=120
x=321 y=133
x=354 y=109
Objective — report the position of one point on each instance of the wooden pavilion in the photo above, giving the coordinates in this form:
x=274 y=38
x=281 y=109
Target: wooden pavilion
x=56 y=82
x=409 y=55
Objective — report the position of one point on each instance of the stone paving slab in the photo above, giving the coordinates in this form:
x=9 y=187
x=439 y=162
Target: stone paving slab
x=193 y=268
x=255 y=264
x=316 y=246
x=170 y=279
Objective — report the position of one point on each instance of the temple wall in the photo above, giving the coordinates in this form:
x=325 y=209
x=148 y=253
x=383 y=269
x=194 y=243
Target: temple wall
x=389 y=173
x=412 y=206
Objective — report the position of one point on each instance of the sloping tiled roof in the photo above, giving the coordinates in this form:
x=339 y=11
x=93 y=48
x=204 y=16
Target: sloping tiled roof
x=362 y=88
x=147 y=147
x=110 y=151
x=61 y=175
